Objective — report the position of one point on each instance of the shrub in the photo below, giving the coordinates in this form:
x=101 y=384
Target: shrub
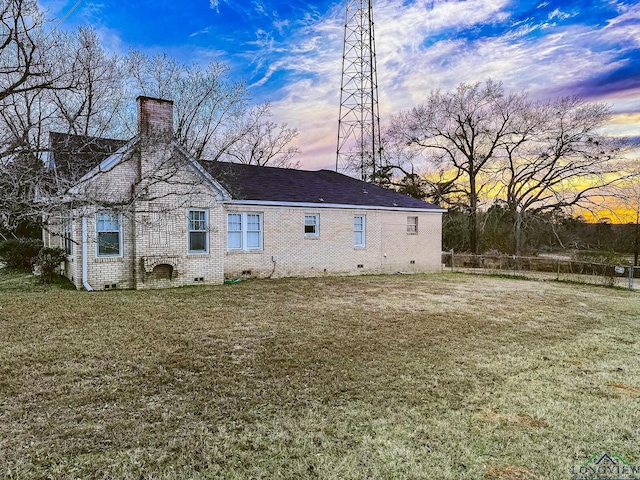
x=48 y=261
x=20 y=252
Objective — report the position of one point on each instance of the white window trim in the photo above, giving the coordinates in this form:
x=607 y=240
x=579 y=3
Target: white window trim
x=244 y=232
x=206 y=232
x=120 y=238
x=364 y=231
x=412 y=228
x=317 y=232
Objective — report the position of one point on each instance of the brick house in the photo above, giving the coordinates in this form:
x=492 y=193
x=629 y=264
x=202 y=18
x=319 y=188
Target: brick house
x=146 y=214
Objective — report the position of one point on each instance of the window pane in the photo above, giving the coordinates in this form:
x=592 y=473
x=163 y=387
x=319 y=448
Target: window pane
x=198 y=241
x=234 y=240
x=107 y=222
x=108 y=243
x=357 y=223
x=253 y=231
x=358 y=239
x=253 y=239
x=310 y=220
x=253 y=222
x=197 y=220
x=234 y=222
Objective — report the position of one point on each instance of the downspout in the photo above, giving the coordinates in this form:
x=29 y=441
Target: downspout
x=85 y=281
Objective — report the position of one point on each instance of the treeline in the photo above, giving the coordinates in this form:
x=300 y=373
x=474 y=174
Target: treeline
x=546 y=232
x=504 y=163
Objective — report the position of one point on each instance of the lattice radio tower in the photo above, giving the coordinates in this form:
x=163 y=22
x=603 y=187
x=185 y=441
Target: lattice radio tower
x=359 y=148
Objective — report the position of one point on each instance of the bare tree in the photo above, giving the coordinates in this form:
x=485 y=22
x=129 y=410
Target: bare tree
x=213 y=118
x=66 y=82
x=265 y=142
x=558 y=160
x=24 y=65
x=208 y=106
x=27 y=68
x=534 y=158
x=463 y=131
x=94 y=103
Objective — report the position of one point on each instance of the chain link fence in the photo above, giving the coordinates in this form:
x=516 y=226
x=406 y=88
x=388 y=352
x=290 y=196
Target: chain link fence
x=544 y=268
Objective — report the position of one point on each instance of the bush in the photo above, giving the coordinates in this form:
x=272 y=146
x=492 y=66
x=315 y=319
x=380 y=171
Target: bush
x=20 y=253
x=48 y=261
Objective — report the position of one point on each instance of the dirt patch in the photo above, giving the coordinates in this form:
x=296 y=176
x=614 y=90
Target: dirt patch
x=521 y=418
x=508 y=472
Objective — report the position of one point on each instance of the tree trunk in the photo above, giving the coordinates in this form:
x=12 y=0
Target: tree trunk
x=473 y=215
x=517 y=232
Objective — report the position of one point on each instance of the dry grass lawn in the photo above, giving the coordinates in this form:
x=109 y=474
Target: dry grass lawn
x=441 y=376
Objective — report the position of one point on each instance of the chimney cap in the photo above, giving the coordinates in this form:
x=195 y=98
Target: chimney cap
x=145 y=98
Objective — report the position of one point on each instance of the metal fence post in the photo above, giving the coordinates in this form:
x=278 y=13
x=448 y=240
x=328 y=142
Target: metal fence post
x=630 y=277
x=452 y=260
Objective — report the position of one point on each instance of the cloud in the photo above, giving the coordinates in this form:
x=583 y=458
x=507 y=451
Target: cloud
x=557 y=14
x=204 y=31
x=423 y=45
x=214 y=4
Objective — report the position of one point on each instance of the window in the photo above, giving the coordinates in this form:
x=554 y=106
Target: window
x=244 y=231
x=254 y=231
x=198 y=231
x=67 y=235
x=412 y=224
x=312 y=225
x=109 y=232
x=359 y=225
x=234 y=231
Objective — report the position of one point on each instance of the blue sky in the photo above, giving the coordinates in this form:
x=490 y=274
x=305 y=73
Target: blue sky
x=289 y=52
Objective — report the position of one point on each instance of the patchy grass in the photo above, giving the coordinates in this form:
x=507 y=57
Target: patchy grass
x=12 y=279
x=382 y=377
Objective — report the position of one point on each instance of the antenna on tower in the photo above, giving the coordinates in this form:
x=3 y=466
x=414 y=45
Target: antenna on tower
x=359 y=148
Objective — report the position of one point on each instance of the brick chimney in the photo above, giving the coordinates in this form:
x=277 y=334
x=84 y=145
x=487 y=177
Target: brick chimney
x=155 y=118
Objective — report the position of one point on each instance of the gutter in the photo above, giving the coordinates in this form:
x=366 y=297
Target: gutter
x=271 y=203
x=85 y=281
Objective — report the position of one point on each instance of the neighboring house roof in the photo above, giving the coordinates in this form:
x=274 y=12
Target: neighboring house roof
x=282 y=185
x=72 y=156
x=76 y=157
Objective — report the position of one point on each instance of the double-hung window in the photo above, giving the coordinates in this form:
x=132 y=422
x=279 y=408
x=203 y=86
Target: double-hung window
x=412 y=224
x=67 y=235
x=359 y=229
x=312 y=225
x=198 y=228
x=244 y=231
x=109 y=233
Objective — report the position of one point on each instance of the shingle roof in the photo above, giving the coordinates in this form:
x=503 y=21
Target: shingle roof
x=74 y=155
x=250 y=182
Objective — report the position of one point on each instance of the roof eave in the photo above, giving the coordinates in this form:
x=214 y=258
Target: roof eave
x=268 y=203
